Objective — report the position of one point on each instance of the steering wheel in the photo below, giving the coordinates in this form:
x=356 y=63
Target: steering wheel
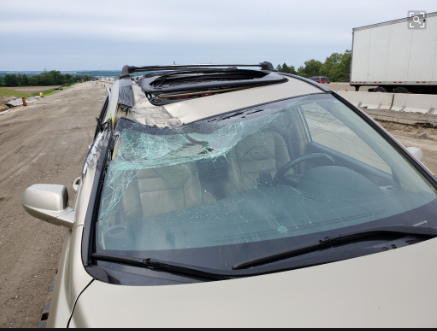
x=280 y=175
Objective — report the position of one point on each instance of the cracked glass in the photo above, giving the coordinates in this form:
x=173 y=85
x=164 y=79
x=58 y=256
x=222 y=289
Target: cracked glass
x=252 y=182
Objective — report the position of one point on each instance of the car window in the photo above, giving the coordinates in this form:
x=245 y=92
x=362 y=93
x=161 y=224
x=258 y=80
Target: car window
x=224 y=189
x=329 y=131
x=324 y=79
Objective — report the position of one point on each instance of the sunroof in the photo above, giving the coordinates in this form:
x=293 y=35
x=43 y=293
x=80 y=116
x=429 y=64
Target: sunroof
x=185 y=84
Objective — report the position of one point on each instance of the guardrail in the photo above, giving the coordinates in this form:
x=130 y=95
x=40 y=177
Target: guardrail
x=412 y=103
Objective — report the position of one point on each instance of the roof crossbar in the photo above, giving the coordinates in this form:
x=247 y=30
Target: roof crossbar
x=130 y=69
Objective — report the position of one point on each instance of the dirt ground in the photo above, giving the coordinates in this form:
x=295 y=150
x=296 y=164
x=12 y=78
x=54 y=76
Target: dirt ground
x=411 y=130
x=46 y=142
x=31 y=89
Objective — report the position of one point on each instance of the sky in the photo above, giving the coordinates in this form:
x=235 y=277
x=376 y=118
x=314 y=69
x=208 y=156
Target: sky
x=105 y=35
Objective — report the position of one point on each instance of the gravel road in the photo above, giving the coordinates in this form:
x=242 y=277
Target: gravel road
x=46 y=142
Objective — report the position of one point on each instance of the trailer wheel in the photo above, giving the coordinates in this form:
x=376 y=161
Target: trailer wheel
x=400 y=90
x=380 y=89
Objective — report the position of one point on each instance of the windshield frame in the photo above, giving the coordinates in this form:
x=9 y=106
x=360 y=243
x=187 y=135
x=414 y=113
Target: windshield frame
x=88 y=237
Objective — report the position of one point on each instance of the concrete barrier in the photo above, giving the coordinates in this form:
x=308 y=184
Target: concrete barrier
x=415 y=103
x=369 y=100
x=377 y=100
x=412 y=103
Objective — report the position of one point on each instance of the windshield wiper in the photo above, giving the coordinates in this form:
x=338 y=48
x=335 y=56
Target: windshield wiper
x=171 y=267
x=336 y=240
x=216 y=274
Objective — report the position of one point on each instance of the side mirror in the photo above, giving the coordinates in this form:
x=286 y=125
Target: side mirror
x=49 y=203
x=417 y=153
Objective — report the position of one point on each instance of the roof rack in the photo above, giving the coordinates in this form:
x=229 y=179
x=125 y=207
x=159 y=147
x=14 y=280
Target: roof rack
x=168 y=84
x=131 y=69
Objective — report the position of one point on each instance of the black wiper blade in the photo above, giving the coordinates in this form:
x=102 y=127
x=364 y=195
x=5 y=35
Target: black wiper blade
x=171 y=267
x=335 y=240
x=215 y=274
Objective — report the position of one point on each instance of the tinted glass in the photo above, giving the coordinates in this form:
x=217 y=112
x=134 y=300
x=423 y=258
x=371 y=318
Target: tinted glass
x=215 y=192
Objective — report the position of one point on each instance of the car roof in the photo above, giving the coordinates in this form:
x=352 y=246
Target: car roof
x=196 y=109
x=137 y=104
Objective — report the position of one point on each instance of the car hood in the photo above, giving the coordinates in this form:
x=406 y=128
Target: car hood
x=396 y=288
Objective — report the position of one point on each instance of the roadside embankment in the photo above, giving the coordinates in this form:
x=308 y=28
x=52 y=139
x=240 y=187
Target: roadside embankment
x=12 y=96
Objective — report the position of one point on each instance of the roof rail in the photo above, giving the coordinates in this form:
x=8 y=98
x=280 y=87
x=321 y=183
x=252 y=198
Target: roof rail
x=309 y=81
x=129 y=69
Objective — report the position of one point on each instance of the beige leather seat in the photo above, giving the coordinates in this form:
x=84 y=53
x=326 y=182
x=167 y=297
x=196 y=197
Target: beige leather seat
x=161 y=190
x=258 y=153
x=266 y=151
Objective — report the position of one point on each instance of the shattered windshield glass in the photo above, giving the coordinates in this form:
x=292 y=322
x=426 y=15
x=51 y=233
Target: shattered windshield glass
x=251 y=182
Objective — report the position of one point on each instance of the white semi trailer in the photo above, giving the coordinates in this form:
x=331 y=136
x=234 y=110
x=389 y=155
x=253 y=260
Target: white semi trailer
x=396 y=58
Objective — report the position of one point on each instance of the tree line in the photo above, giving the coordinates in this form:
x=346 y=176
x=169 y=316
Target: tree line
x=337 y=67
x=45 y=78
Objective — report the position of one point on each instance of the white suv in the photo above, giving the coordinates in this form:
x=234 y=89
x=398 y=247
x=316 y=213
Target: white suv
x=216 y=196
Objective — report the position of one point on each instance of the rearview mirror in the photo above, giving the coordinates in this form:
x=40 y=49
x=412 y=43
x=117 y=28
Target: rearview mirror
x=49 y=203
x=417 y=153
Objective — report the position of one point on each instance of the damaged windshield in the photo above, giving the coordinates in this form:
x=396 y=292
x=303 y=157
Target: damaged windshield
x=251 y=182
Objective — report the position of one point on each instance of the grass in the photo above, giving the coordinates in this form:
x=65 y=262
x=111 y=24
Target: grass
x=46 y=93
x=4 y=93
x=9 y=93
x=52 y=91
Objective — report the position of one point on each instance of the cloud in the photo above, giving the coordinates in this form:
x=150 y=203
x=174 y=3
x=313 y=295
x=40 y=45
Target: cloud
x=297 y=27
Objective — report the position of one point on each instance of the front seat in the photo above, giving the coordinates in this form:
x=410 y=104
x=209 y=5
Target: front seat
x=262 y=152
x=161 y=190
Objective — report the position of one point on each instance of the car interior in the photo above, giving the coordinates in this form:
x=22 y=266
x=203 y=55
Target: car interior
x=258 y=156
x=253 y=165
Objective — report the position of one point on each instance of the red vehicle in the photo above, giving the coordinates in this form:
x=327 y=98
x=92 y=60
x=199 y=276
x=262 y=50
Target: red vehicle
x=321 y=79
